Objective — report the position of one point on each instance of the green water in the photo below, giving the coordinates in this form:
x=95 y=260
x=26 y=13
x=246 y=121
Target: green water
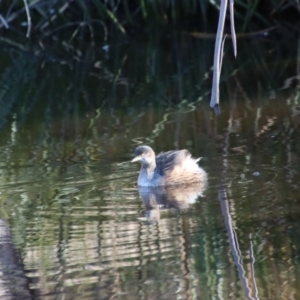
x=76 y=225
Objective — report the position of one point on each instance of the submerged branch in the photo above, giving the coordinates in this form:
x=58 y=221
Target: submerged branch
x=233 y=35
x=214 y=101
x=219 y=46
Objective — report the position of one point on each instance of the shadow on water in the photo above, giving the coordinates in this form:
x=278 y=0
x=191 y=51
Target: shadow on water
x=68 y=191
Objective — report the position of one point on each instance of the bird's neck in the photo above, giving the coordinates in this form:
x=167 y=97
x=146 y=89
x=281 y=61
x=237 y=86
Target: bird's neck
x=148 y=170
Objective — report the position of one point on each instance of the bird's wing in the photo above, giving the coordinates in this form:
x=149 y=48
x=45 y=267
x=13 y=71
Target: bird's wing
x=166 y=161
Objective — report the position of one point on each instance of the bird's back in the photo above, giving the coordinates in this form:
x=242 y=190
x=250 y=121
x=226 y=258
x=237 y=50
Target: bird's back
x=166 y=162
x=178 y=167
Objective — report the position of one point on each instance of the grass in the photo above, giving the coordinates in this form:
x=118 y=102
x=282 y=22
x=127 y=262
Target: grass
x=41 y=17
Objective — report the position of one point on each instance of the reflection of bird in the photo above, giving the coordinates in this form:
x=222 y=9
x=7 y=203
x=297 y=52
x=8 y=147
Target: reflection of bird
x=159 y=198
x=179 y=197
x=176 y=167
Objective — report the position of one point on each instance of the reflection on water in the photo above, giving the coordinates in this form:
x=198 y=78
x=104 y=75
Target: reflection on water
x=83 y=230
x=75 y=226
x=13 y=282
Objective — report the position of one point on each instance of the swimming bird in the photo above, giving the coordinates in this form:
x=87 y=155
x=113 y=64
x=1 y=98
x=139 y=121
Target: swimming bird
x=172 y=168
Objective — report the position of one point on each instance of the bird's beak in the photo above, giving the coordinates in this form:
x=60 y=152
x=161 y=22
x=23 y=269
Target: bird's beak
x=137 y=158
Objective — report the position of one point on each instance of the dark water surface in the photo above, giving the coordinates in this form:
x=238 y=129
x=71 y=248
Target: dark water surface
x=75 y=226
